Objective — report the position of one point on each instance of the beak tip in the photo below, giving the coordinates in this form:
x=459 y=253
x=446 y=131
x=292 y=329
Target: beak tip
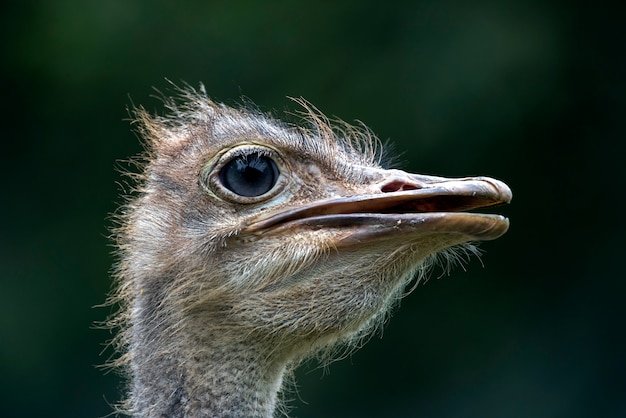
x=502 y=189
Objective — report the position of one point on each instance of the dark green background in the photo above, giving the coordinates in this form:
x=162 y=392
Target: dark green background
x=529 y=92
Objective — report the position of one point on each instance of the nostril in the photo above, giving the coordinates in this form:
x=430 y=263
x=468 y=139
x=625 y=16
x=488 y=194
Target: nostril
x=398 y=186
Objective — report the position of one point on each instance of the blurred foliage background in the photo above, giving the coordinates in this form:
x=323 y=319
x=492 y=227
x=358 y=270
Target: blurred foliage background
x=531 y=92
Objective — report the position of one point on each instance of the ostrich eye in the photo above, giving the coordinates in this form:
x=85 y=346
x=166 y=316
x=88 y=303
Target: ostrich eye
x=249 y=175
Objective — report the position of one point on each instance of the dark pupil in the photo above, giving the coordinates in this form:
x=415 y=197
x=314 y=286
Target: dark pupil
x=249 y=175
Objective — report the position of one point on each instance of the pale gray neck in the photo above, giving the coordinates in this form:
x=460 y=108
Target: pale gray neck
x=194 y=373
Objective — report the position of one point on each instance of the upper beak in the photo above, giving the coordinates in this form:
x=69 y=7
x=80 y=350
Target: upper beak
x=400 y=203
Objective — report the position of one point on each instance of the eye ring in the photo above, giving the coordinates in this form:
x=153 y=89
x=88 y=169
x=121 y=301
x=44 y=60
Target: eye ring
x=248 y=173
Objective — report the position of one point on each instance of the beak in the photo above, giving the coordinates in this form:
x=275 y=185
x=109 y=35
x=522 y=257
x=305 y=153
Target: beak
x=400 y=204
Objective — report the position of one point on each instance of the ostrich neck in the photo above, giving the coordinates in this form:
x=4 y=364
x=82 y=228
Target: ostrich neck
x=185 y=373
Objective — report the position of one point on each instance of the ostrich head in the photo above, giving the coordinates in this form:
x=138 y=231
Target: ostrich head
x=251 y=243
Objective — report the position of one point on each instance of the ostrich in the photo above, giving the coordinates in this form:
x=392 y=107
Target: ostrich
x=250 y=244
